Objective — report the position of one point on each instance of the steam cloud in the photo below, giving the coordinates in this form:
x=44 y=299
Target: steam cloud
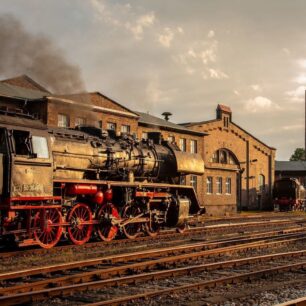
x=36 y=56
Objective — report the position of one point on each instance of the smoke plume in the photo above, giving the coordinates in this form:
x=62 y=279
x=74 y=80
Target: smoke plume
x=36 y=56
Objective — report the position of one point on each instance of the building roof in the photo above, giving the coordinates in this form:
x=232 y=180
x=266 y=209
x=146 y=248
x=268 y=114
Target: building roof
x=290 y=166
x=187 y=124
x=149 y=120
x=25 y=82
x=94 y=101
x=17 y=92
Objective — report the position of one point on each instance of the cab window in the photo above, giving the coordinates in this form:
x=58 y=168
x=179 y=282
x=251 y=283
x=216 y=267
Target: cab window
x=22 y=142
x=40 y=146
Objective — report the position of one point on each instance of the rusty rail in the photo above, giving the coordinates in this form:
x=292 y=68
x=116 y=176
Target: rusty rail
x=64 y=290
x=204 y=284
x=208 y=248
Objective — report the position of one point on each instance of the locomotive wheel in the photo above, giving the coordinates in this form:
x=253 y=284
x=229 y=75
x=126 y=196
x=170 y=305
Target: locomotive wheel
x=80 y=228
x=106 y=230
x=51 y=234
x=131 y=230
x=152 y=228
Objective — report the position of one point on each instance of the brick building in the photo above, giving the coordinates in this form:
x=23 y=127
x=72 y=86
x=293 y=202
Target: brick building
x=239 y=169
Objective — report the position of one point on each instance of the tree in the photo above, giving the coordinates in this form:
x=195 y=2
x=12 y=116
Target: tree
x=299 y=154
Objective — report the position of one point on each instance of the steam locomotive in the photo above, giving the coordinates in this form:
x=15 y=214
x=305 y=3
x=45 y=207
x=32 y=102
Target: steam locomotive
x=85 y=182
x=288 y=194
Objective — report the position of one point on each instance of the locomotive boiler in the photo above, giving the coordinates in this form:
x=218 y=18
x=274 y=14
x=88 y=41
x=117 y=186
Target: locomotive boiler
x=86 y=182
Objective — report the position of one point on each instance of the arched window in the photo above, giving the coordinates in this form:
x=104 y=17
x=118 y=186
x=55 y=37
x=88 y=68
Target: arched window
x=223 y=156
x=261 y=183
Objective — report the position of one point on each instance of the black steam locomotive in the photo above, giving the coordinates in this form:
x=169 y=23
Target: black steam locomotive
x=288 y=194
x=87 y=182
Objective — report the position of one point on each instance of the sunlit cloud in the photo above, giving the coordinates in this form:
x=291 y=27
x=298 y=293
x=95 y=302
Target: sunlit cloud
x=256 y=87
x=122 y=16
x=166 y=38
x=261 y=104
x=297 y=95
x=302 y=62
x=217 y=74
x=211 y=34
x=137 y=28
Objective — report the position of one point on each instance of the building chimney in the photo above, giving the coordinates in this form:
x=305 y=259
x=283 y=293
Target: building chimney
x=166 y=115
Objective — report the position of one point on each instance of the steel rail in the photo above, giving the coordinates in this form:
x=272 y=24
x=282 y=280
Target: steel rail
x=39 y=295
x=204 y=284
x=137 y=267
x=296 y=302
x=215 y=246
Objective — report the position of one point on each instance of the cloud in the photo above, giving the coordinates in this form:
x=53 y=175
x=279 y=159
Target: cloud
x=301 y=79
x=141 y=23
x=166 y=38
x=217 y=74
x=211 y=34
x=297 y=95
x=180 y=30
x=256 y=87
x=236 y=92
x=210 y=54
x=302 y=62
x=260 y=104
x=122 y=16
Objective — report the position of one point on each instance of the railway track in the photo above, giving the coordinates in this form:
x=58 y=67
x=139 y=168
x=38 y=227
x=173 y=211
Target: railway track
x=47 y=282
x=248 y=276
x=163 y=236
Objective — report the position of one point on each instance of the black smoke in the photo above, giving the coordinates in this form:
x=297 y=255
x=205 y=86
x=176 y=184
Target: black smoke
x=37 y=56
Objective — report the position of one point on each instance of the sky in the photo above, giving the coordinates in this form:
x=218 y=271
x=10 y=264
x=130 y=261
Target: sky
x=185 y=57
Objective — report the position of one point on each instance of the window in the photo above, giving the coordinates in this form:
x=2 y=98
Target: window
x=209 y=185
x=219 y=185
x=183 y=180
x=40 y=146
x=144 y=135
x=228 y=185
x=261 y=183
x=183 y=144
x=225 y=122
x=171 y=139
x=63 y=120
x=224 y=156
x=3 y=142
x=100 y=124
x=194 y=181
x=80 y=121
x=22 y=143
x=111 y=126
x=193 y=146
x=125 y=128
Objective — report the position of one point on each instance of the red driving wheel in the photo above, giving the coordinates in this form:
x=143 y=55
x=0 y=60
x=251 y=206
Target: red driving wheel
x=80 y=224
x=106 y=230
x=50 y=233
